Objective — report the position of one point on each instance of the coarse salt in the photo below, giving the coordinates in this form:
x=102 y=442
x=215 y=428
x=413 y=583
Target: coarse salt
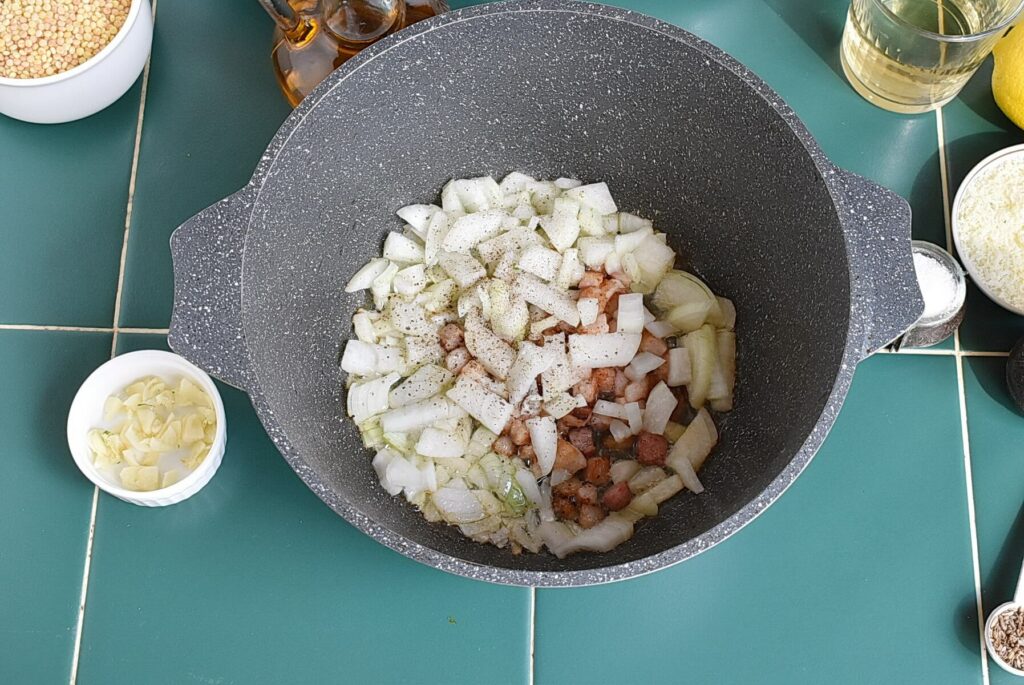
x=938 y=287
x=990 y=229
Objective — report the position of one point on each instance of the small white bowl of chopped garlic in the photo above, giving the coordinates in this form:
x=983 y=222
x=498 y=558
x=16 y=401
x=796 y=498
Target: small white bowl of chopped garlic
x=148 y=427
x=62 y=60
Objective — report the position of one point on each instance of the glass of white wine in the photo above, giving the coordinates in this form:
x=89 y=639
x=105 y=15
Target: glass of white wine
x=915 y=55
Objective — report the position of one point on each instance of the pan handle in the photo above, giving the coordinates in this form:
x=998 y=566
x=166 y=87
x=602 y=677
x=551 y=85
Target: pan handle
x=206 y=323
x=885 y=298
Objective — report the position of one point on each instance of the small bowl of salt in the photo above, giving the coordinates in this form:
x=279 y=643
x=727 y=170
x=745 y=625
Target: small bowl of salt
x=944 y=289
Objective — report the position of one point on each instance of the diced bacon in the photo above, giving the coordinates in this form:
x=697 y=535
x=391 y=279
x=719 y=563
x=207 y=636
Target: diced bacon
x=605 y=379
x=451 y=336
x=598 y=470
x=518 y=432
x=637 y=390
x=568 y=457
x=583 y=439
x=617 y=497
x=651 y=449
x=591 y=279
x=586 y=389
x=457 y=358
x=587 y=494
x=652 y=344
x=590 y=515
x=621 y=381
x=600 y=325
x=504 y=446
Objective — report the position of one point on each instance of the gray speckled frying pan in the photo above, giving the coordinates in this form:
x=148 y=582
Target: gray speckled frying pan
x=816 y=259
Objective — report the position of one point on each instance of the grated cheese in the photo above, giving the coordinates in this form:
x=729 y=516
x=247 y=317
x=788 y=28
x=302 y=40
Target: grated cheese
x=990 y=227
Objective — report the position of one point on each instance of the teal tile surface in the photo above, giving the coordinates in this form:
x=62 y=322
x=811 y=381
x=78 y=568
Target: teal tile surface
x=861 y=573
x=63 y=197
x=46 y=502
x=211 y=108
x=975 y=128
x=996 y=430
x=255 y=580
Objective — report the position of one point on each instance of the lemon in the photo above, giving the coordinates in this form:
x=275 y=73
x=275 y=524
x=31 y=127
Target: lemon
x=1008 y=75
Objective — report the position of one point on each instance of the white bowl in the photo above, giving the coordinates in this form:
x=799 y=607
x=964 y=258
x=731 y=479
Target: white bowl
x=89 y=87
x=109 y=379
x=976 y=275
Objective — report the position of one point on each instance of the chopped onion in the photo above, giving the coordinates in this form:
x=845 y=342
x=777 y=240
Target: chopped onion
x=612 y=409
x=369 y=398
x=660 y=329
x=560 y=405
x=588 y=308
x=624 y=469
x=595 y=195
x=628 y=223
x=437 y=230
x=410 y=280
x=571 y=270
x=515 y=182
x=471 y=229
x=457 y=505
x=630 y=315
x=594 y=251
x=552 y=300
x=398 y=248
x=484 y=406
x=642 y=364
x=562 y=226
x=529 y=485
x=540 y=261
x=439 y=443
x=694 y=446
x=619 y=430
x=417 y=415
x=567 y=183
x=418 y=217
x=409 y=318
x=530 y=363
x=627 y=242
x=363 y=278
x=359 y=358
x=463 y=269
x=544 y=438
x=678 y=367
x=635 y=415
x=496 y=355
x=513 y=241
x=603 y=349
x=381 y=286
x=653 y=260
x=660 y=405
x=363 y=327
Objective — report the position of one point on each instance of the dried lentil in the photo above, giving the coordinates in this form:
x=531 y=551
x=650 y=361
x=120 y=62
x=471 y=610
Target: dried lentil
x=1008 y=637
x=46 y=37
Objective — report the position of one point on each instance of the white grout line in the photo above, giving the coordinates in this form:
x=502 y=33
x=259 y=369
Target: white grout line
x=131 y=198
x=85 y=585
x=148 y=331
x=34 y=327
x=533 y=633
x=87 y=566
x=959 y=355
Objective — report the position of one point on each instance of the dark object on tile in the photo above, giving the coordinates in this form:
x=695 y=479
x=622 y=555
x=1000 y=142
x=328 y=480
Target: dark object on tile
x=816 y=259
x=1015 y=373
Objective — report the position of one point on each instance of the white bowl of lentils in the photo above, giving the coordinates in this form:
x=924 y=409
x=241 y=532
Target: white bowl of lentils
x=62 y=60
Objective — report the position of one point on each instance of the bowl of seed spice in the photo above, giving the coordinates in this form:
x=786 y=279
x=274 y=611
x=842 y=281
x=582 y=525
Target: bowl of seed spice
x=62 y=60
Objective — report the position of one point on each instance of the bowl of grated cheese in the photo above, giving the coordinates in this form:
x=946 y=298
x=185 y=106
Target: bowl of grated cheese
x=988 y=226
